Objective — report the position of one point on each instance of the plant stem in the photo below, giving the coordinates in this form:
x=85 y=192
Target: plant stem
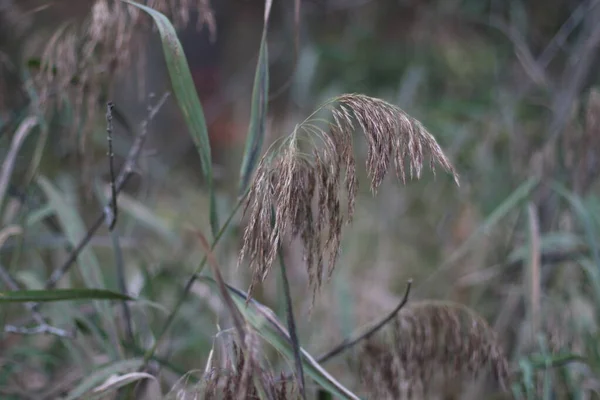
x=292 y=325
x=150 y=353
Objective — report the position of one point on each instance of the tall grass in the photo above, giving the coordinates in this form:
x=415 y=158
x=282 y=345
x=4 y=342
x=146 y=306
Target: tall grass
x=104 y=287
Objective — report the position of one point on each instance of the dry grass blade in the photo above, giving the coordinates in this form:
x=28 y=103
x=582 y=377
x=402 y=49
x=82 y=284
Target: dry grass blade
x=290 y=180
x=212 y=261
x=430 y=341
x=238 y=377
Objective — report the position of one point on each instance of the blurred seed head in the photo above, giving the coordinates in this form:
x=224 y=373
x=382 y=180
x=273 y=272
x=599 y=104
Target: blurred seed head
x=305 y=170
x=430 y=342
x=83 y=59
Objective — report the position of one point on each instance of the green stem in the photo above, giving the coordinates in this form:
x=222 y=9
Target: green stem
x=292 y=326
x=150 y=353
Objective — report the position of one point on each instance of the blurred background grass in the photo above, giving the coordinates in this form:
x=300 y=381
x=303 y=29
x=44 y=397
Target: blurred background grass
x=508 y=88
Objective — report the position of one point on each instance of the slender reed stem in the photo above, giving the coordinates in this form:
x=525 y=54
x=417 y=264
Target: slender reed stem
x=292 y=325
x=150 y=353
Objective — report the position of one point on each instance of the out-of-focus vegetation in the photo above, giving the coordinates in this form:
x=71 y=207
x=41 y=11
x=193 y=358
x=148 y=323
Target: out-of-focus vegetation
x=508 y=263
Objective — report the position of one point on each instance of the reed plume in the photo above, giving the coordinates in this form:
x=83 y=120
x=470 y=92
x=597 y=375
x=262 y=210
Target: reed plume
x=430 y=342
x=305 y=168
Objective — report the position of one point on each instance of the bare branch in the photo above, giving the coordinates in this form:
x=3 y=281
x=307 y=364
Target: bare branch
x=42 y=327
x=348 y=343
x=121 y=180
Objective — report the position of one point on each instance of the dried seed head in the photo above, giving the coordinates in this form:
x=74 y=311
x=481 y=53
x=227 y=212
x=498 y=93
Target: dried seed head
x=289 y=180
x=237 y=378
x=429 y=338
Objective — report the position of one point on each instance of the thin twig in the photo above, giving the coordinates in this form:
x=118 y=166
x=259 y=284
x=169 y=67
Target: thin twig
x=111 y=215
x=43 y=326
x=111 y=220
x=120 y=269
x=124 y=175
x=563 y=33
x=348 y=343
x=575 y=73
x=292 y=325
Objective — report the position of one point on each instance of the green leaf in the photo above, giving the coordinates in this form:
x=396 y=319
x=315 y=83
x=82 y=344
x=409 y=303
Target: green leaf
x=75 y=231
x=258 y=115
x=60 y=295
x=187 y=97
x=266 y=324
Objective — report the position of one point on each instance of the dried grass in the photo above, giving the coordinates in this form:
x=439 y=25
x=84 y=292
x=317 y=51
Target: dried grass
x=430 y=347
x=290 y=180
x=240 y=378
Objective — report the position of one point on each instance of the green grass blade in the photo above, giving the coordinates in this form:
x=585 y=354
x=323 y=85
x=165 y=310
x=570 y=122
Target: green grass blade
x=584 y=216
x=555 y=241
x=266 y=324
x=74 y=229
x=512 y=202
x=258 y=116
x=60 y=295
x=187 y=97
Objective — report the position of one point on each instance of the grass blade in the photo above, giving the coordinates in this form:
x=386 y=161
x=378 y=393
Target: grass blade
x=584 y=216
x=114 y=383
x=266 y=324
x=101 y=375
x=60 y=295
x=289 y=310
x=187 y=98
x=258 y=116
x=512 y=202
x=74 y=228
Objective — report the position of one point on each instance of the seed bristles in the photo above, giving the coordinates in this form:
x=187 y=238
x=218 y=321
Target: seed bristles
x=289 y=180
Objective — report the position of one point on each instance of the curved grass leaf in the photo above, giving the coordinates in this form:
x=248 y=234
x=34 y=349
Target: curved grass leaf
x=115 y=382
x=187 y=98
x=266 y=324
x=60 y=295
x=258 y=115
x=101 y=375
